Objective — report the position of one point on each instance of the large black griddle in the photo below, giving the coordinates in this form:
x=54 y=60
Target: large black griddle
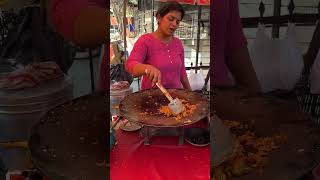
x=143 y=108
x=267 y=115
x=70 y=142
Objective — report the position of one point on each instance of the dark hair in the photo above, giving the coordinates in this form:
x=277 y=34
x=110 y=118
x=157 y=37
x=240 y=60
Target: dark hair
x=166 y=7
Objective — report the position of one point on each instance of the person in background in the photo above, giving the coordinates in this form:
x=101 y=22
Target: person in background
x=229 y=48
x=85 y=23
x=159 y=56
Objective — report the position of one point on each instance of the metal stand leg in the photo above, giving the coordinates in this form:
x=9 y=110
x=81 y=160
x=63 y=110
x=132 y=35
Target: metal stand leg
x=181 y=135
x=208 y=121
x=91 y=70
x=147 y=136
x=139 y=83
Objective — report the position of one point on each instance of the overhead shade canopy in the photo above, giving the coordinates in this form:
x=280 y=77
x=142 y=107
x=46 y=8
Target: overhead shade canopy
x=199 y=2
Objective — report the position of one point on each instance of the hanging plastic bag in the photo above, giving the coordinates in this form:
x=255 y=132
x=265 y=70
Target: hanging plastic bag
x=208 y=85
x=290 y=60
x=315 y=76
x=264 y=64
x=278 y=63
x=118 y=73
x=196 y=80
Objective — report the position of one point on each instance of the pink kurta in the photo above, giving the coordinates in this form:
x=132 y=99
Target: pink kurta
x=226 y=36
x=168 y=58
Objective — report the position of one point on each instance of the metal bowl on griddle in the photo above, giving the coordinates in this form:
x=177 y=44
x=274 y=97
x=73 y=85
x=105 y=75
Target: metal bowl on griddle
x=143 y=107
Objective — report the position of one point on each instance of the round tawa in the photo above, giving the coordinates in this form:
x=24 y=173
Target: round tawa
x=143 y=107
x=70 y=142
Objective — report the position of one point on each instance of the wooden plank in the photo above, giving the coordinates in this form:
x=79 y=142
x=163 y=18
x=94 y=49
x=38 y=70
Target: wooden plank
x=313 y=48
x=306 y=19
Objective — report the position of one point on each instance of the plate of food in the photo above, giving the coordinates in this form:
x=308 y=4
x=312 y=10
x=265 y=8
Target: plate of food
x=129 y=126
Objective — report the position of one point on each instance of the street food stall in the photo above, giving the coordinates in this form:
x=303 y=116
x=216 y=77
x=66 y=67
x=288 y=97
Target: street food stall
x=71 y=140
x=159 y=147
x=152 y=145
x=253 y=137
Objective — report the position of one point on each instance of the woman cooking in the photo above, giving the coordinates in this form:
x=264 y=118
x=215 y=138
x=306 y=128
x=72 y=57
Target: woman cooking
x=159 y=56
x=73 y=19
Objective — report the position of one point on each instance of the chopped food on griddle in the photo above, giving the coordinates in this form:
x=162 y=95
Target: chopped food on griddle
x=252 y=154
x=188 y=109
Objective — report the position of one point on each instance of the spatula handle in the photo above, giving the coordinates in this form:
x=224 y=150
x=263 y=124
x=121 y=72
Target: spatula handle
x=165 y=92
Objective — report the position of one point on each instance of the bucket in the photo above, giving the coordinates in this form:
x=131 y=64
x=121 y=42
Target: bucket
x=20 y=109
x=115 y=97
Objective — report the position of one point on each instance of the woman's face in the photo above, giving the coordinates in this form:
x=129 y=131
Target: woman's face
x=169 y=22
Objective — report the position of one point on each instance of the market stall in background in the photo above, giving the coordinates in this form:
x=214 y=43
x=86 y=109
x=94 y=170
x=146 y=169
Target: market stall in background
x=141 y=129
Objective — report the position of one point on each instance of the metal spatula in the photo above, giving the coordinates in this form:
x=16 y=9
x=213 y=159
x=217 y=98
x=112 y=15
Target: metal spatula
x=175 y=105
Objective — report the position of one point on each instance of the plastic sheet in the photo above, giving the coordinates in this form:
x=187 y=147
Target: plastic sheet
x=163 y=160
x=196 y=80
x=118 y=73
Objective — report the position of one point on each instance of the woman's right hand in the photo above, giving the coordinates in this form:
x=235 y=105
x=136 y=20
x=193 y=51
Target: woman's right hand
x=153 y=74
